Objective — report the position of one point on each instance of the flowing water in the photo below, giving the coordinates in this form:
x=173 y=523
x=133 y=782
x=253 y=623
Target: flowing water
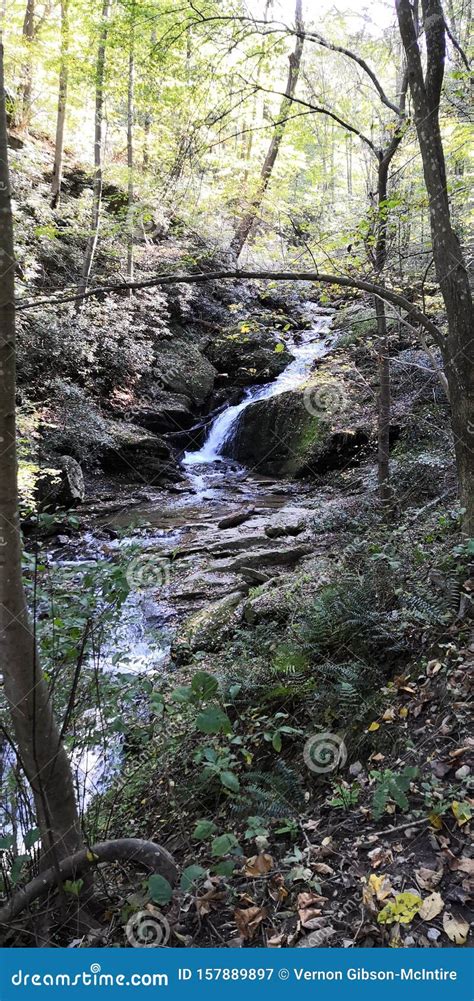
x=214 y=486
x=313 y=345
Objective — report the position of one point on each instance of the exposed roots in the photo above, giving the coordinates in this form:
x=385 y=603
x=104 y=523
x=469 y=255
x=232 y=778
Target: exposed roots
x=145 y=854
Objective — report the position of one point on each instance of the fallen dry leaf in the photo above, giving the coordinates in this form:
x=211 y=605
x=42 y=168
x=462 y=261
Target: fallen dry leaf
x=380 y=886
x=463 y=864
x=205 y=901
x=428 y=878
x=277 y=888
x=431 y=907
x=309 y=908
x=258 y=865
x=457 y=929
x=248 y=920
x=323 y=869
x=380 y=856
x=276 y=940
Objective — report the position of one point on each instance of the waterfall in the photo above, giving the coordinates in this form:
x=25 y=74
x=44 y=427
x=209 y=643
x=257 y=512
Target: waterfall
x=313 y=345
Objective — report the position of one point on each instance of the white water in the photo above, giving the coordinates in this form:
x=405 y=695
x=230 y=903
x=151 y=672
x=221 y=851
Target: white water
x=313 y=345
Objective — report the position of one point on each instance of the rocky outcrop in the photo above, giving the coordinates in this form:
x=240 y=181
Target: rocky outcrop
x=143 y=456
x=60 y=485
x=93 y=439
x=206 y=629
x=295 y=434
x=249 y=358
x=163 y=412
x=181 y=368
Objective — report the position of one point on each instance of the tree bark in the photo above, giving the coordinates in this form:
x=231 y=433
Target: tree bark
x=130 y=117
x=98 y=151
x=62 y=101
x=23 y=115
x=243 y=229
x=450 y=266
x=42 y=753
x=145 y=854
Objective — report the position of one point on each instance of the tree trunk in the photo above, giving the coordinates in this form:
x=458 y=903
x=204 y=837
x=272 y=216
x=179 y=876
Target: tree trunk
x=384 y=406
x=130 y=115
x=42 y=754
x=23 y=114
x=98 y=152
x=243 y=229
x=450 y=266
x=62 y=100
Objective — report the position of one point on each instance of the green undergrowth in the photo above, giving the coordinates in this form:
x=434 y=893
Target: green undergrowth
x=227 y=737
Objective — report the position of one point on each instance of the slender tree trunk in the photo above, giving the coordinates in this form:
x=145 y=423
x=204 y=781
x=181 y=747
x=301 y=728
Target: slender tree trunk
x=243 y=229
x=62 y=100
x=450 y=266
x=383 y=349
x=148 y=117
x=384 y=405
x=130 y=117
x=23 y=103
x=98 y=151
x=42 y=754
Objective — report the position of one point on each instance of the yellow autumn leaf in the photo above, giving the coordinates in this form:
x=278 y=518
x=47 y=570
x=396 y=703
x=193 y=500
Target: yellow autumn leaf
x=403 y=910
x=435 y=821
x=91 y=857
x=462 y=812
x=403 y=712
x=373 y=726
x=380 y=886
x=457 y=929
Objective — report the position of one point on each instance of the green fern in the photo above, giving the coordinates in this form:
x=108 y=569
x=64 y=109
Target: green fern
x=277 y=794
x=392 y=785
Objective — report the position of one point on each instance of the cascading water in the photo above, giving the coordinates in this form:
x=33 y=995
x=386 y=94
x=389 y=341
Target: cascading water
x=313 y=345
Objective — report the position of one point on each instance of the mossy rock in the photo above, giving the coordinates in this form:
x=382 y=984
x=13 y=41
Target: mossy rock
x=207 y=629
x=300 y=432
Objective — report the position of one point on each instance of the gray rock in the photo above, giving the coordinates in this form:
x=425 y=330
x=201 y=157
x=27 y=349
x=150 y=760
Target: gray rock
x=61 y=485
x=207 y=629
x=181 y=368
x=237 y=518
x=291 y=521
x=265 y=557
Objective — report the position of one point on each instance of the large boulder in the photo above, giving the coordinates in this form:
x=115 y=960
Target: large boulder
x=299 y=432
x=207 y=629
x=60 y=484
x=138 y=453
x=249 y=358
x=181 y=368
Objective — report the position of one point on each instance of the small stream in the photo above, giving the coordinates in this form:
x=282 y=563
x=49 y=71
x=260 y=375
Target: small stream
x=305 y=351
x=214 y=487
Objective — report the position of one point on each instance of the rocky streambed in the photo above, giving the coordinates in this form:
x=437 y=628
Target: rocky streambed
x=218 y=546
